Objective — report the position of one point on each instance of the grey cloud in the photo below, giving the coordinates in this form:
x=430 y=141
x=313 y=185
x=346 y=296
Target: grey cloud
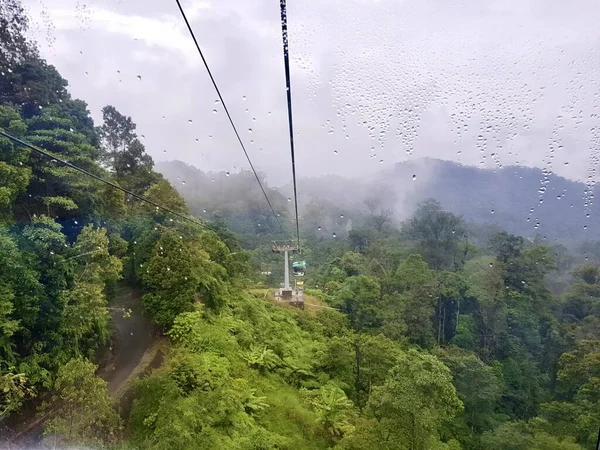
x=401 y=79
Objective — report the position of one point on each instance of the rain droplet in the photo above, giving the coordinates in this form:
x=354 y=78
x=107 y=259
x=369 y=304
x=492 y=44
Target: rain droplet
x=214 y=111
x=341 y=216
x=183 y=182
x=226 y=174
x=289 y=199
x=414 y=177
x=334 y=235
x=249 y=130
x=164 y=151
x=190 y=121
x=244 y=98
x=139 y=77
x=319 y=228
x=335 y=152
x=491 y=264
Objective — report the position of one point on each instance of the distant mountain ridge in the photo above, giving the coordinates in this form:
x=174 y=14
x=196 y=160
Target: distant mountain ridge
x=504 y=197
x=522 y=200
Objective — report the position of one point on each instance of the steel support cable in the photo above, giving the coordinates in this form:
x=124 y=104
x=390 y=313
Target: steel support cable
x=110 y=183
x=189 y=27
x=286 y=61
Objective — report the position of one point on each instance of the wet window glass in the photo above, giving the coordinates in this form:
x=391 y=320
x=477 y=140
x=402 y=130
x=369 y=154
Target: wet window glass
x=244 y=224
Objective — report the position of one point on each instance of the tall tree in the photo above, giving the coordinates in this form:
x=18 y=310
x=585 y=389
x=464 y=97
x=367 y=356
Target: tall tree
x=86 y=415
x=126 y=155
x=437 y=233
x=409 y=409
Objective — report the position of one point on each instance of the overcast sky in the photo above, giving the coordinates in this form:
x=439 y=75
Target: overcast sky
x=483 y=82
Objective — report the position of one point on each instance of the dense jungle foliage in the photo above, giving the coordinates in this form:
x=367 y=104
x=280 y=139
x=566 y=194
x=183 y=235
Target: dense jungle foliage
x=425 y=335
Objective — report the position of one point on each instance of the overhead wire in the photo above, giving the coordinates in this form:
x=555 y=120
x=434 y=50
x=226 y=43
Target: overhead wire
x=113 y=185
x=212 y=79
x=286 y=61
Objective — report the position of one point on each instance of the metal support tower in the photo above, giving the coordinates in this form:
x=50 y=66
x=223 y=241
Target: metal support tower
x=286 y=248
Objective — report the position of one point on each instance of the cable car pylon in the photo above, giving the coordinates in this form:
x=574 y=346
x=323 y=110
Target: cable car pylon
x=286 y=293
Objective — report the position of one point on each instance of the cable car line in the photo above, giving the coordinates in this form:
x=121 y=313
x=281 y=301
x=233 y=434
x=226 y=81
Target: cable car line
x=286 y=61
x=189 y=27
x=116 y=186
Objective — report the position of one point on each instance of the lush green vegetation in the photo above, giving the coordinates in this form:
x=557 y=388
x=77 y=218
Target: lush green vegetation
x=428 y=341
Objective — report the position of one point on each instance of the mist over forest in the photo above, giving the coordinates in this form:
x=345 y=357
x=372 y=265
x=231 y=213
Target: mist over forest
x=525 y=201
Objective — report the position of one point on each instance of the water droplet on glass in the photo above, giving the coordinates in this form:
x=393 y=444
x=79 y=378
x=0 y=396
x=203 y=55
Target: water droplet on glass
x=249 y=130
x=244 y=98
x=335 y=152
x=226 y=174
x=289 y=199
x=414 y=177
x=334 y=235
x=491 y=264
x=183 y=182
x=190 y=121
x=139 y=77
x=214 y=111
x=319 y=228
x=341 y=216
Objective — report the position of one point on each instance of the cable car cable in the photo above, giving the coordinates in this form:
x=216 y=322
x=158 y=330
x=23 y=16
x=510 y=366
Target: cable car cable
x=189 y=27
x=110 y=183
x=286 y=61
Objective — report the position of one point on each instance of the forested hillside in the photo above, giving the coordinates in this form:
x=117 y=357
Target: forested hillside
x=421 y=332
x=522 y=200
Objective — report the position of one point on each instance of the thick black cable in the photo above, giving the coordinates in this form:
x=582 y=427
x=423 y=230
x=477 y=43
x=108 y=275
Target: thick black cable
x=286 y=60
x=189 y=27
x=110 y=183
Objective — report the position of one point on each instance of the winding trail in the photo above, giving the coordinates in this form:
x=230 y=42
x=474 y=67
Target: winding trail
x=133 y=337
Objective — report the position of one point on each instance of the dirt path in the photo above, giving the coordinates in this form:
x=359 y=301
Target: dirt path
x=133 y=337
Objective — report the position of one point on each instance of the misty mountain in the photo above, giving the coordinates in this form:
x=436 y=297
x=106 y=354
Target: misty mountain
x=522 y=200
